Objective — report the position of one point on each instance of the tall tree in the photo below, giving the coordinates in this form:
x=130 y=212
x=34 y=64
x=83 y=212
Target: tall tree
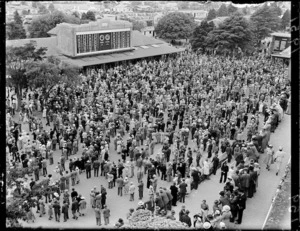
x=90 y=15
x=76 y=14
x=212 y=14
x=51 y=7
x=276 y=8
x=199 y=36
x=43 y=9
x=231 y=9
x=264 y=20
x=233 y=35
x=17 y=18
x=222 y=11
x=286 y=18
x=16 y=60
x=136 y=25
x=45 y=74
x=15 y=29
x=175 y=26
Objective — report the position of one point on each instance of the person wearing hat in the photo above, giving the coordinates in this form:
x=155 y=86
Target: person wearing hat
x=278 y=158
x=224 y=171
x=269 y=160
x=171 y=216
x=140 y=205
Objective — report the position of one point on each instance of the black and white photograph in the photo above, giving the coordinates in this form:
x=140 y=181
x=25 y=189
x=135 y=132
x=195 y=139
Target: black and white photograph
x=148 y=115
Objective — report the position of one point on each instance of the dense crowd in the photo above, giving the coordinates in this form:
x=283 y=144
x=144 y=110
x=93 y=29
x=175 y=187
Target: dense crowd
x=199 y=107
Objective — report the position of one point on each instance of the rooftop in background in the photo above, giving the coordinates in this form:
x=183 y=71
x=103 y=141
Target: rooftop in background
x=280 y=34
x=284 y=54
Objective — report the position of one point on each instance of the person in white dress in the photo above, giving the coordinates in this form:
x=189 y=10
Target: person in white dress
x=44 y=113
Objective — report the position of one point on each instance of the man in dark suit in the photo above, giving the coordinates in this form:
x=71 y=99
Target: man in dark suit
x=244 y=179
x=241 y=206
x=215 y=161
x=64 y=210
x=182 y=190
x=56 y=207
x=88 y=168
x=174 y=192
x=96 y=166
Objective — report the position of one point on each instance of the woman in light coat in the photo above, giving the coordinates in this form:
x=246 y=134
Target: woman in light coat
x=82 y=206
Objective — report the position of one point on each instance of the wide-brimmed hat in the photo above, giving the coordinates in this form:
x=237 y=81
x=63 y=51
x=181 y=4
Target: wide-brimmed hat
x=225 y=208
x=141 y=203
x=206 y=225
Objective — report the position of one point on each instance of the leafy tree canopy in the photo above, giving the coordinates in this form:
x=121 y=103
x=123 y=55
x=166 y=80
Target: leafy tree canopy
x=286 y=18
x=41 y=25
x=175 y=26
x=222 y=11
x=199 y=36
x=183 y=5
x=16 y=60
x=234 y=34
x=43 y=9
x=212 y=14
x=231 y=9
x=264 y=20
x=51 y=7
x=89 y=16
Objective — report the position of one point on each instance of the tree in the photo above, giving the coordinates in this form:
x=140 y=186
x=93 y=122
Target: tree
x=51 y=7
x=135 y=3
x=183 y=5
x=276 y=8
x=45 y=74
x=76 y=14
x=34 y=4
x=231 y=9
x=16 y=60
x=43 y=9
x=245 y=10
x=136 y=25
x=233 y=35
x=264 y=20
x=17 y=18
x=175 y=26
x=285 y=20
x=42 y=24
x=90 y=15
x=25 y=12
x=222 y=11
x=15 y=29
x=199 y=36
x=83 y=16
x=212 y=14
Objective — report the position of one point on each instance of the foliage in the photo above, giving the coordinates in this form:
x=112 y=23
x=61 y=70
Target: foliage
x=88 y=16
x=47 y=73
x=43 y=9
x=76 y=14
x=233 y=35
x=285 y=20
x=41 y=25
x=231 y=9
x=183 y=5
x=276 y=8
x=245 y=10
x=34 y=4
x=222 y=11
x=264 y=20
x=135 y=3
x=212 y=14
x=199 y=37
x=17 y=18
x=175 y=26
x=136 y=25
x=25 y=12
x=51 y=7
x=16 y=60
x=15 y=29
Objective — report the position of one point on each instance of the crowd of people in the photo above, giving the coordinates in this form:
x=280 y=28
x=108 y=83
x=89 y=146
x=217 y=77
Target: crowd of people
x=198 y=107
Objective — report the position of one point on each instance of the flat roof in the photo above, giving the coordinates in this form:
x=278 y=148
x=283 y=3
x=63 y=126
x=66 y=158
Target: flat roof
x=138 y=53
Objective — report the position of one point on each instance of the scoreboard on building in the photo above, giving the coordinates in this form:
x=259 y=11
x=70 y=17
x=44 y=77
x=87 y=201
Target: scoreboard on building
x=101 y=41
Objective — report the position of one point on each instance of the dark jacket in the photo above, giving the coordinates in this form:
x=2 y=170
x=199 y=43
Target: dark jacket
x=186 y=219
x=182 y=187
